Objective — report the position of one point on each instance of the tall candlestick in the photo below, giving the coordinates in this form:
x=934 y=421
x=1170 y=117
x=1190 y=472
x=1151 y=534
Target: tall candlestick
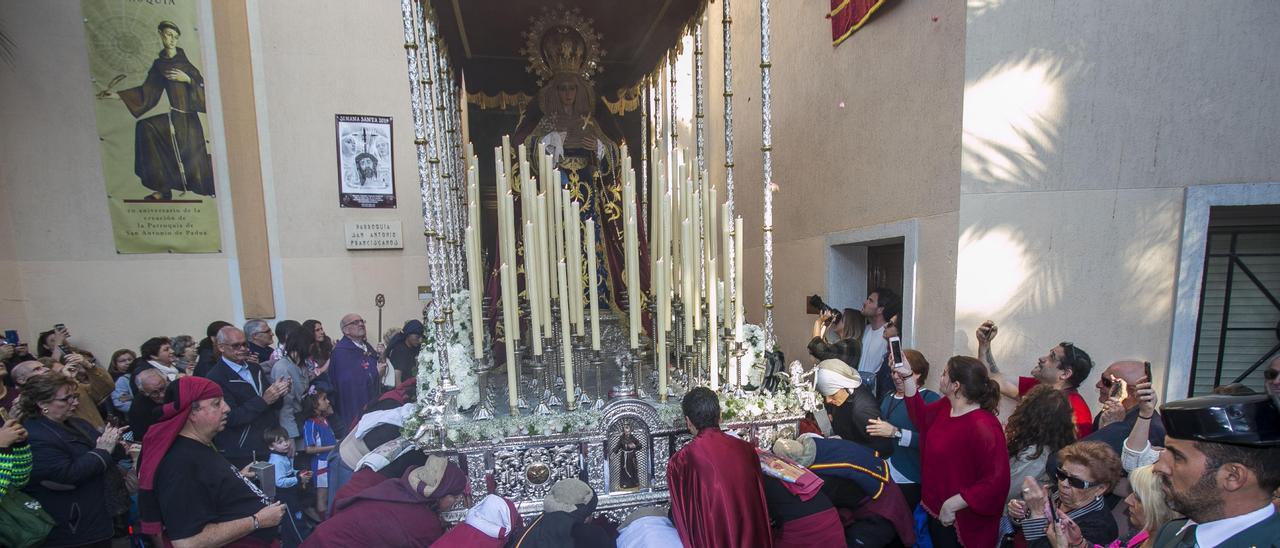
x=593 y=291
x=726 y=248
x=575 y=265
x=476 y=293
x=508 y=304
x=667 y=237
x=633 y=282
x=509 y=243
x=738 y=236
x=544 y=264
x=531 y=284
x=661 y=346
x=566 y=349
x=687 y=279
x=713 y=340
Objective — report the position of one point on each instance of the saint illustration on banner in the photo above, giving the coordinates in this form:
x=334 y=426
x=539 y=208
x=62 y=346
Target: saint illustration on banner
x=151 y=119
x=365 y=175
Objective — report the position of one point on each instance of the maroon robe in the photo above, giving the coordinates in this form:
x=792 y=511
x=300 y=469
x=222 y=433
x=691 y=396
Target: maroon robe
x=717 y=498
x=363 y=520
x=362 y=479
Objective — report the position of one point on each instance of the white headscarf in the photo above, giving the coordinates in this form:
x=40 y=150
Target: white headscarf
x=648 y=532
x=834 y=374
x=491 y=516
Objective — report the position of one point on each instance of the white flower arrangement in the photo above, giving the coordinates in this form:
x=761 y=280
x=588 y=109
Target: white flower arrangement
x=498 y=429
x=458 y=358
x=754 y=405
x=753 y=362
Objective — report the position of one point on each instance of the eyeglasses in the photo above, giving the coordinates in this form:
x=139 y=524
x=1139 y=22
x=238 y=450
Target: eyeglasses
x=67 y=398
x=237 y=345
x=1073 y=481
x=353 y=322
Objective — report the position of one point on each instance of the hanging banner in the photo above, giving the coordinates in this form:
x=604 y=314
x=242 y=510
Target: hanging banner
x=149 y=100
x=847 y=16
x=366 y=177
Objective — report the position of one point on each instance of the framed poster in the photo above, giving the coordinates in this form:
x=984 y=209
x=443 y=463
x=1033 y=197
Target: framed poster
x=366 y=178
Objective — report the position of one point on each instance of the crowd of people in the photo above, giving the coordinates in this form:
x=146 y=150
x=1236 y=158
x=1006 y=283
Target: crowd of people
x=254 y=436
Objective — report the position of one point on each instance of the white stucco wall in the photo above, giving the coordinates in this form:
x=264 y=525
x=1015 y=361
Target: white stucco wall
x=1083 y=124
x=312 y=60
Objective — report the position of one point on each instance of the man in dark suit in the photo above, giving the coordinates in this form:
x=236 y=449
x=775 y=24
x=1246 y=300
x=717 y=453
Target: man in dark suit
x=1220 y=467
x=254 y=403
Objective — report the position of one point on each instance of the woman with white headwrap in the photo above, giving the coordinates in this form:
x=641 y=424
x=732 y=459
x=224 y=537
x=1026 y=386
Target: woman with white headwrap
x=487 y=525
x=851 y=406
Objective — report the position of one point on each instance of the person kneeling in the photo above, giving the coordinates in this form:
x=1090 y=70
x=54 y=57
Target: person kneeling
x=403 y=511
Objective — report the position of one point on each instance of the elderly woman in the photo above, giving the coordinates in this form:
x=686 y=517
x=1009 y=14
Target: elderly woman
x=72 y=462
x=1147 y=512
x=185 y=352
x=1087 y=471
x=157 y=352
x=403 y=511
x=851 y=405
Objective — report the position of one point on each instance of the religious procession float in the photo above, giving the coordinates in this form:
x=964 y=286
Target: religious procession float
x=586 y=271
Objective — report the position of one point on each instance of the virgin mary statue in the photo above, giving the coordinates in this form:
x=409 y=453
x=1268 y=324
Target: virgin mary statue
x=567 y=122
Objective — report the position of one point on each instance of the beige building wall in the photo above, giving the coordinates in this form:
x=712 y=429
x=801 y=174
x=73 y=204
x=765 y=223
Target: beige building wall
x=864 y=134
x=311 y=60
x=1083 y=125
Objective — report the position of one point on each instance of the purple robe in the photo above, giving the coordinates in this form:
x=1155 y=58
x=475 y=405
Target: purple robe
x=355 y=378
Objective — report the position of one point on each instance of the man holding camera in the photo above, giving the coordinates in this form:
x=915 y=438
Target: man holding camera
x=1064 y=368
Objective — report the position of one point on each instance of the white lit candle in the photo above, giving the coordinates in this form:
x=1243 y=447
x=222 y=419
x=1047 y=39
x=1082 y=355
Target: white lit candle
x=660 y=347
x=566 y=349
x=713 y=340
x=508 y=303
x=531 y=284
x=592 y=290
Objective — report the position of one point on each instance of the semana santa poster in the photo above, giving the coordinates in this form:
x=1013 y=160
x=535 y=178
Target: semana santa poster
x=366 y=178
x=147 y=69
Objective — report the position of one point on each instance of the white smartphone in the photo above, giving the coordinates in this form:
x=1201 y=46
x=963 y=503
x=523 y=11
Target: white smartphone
x=895 y=351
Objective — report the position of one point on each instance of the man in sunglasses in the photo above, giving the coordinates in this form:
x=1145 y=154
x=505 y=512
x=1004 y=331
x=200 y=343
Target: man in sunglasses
x=1117 y=392
x=1220 y=467
x=1271 y=378
x=255 y=401
x=1064 y=368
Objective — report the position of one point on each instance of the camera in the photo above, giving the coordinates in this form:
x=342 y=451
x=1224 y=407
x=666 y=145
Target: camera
x=814 y=305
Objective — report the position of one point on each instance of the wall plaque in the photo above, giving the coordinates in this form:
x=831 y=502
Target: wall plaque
x=374 y=235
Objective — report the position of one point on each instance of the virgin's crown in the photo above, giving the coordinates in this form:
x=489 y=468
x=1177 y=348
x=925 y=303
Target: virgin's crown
x=562 y=42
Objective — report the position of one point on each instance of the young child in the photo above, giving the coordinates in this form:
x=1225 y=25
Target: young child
x=289 y=482
x=319 y=441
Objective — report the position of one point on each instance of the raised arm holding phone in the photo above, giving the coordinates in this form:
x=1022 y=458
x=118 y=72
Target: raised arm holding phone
x=964 y=461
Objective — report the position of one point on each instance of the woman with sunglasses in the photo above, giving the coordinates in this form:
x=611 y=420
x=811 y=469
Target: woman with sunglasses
x=1145 y=506
x=1087 y=471
x=72 y=460
x=963 y=459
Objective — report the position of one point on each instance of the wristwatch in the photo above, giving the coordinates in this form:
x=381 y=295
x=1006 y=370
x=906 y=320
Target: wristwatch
x=897 y=433
x=255 y=521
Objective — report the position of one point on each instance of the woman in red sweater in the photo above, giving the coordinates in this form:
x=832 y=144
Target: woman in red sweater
x=963 y=459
